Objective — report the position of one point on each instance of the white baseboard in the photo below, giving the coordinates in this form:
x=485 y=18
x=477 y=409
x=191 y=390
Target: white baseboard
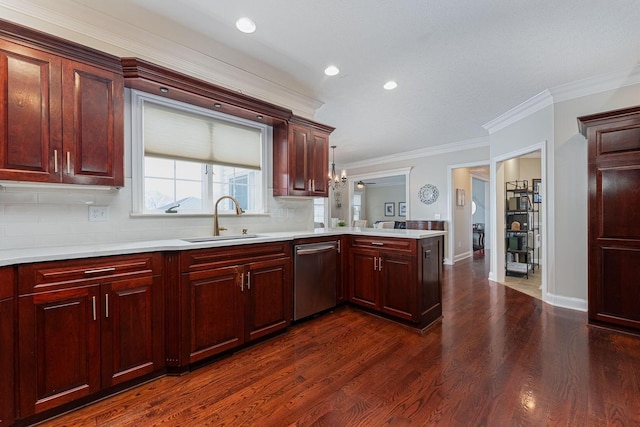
x=572 y=303
x=462 y=256
x=447 y=261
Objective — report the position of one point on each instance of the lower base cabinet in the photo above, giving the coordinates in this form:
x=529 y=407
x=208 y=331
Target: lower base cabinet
x=399 y=278
x=231 y=296
x=7 y=331
x=86 y=326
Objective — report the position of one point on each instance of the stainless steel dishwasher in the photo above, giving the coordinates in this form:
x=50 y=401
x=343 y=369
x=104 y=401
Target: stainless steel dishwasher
x=314 y=286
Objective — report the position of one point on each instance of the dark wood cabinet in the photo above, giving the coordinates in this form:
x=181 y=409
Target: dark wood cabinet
x=231 y=296
x=93 y=125
x=87 y=325
x=7 y=331
x=301 y=159
x=397 y=277
x=61 y=119
x=614 y=221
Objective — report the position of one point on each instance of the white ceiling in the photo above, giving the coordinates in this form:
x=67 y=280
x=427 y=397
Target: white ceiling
x=458 y=63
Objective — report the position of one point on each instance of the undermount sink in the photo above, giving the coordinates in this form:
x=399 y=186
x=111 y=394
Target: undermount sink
x=217 y=238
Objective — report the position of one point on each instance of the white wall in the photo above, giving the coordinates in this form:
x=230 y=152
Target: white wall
x=463 y=237
x=570 y=200
x=377 y=196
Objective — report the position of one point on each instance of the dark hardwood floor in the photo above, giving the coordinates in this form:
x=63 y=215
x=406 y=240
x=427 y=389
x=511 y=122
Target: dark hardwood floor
x=499 y=358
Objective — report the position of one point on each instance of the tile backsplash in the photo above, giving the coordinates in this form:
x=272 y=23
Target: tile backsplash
x=40 y=216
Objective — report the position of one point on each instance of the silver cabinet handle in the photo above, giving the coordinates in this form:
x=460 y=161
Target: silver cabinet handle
x=339 y=241
x=248 y=280
x=106 y=305
x=377 y=243
x=380 y=264
x=375 y=263
x=100 y=270
x=55 y=161
x=242 y=282
x=68 y=163
x=93 y=304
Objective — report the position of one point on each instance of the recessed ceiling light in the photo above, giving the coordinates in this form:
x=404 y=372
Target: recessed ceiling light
x=331 y=70
x=246 y=25
x=390 y=85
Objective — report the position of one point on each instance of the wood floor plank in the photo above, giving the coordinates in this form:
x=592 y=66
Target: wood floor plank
x=499 y=358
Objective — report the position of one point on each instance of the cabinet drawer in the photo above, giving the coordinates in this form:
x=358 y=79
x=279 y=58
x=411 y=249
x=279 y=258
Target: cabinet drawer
x=52 y=275
x=204 y=259
x=399 y=244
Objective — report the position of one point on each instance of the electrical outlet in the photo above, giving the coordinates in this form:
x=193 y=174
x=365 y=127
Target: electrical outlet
x=98 y=213
x=437 y=216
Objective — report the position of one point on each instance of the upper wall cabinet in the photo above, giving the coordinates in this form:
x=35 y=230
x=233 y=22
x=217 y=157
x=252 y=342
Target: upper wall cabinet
x=61 y=111
x=301 y=158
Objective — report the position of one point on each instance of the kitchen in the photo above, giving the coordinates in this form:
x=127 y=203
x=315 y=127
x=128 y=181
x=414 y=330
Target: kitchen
x=58 y=215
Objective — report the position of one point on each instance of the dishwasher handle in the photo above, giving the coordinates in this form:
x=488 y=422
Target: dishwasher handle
x=315 y=249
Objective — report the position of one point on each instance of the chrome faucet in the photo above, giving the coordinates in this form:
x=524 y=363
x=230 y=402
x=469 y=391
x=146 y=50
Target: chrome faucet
x=216 y=227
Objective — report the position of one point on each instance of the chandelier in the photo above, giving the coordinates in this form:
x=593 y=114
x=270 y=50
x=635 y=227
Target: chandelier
x=336 y=180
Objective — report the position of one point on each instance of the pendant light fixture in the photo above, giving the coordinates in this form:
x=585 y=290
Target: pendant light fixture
x=335 y=180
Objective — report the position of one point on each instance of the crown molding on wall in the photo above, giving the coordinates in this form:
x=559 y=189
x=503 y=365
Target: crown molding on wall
x=423 y=152
x=159 y=50
x=596 y=84
x=566 y=92
x=519 y=112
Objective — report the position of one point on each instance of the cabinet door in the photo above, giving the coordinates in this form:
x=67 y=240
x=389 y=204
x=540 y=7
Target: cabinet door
x=364 y=278
x=30 y=114
x=319 y=165
x=132 y=333
x=216 y=311
x=270 y=297
x=7 y=333
x=59 y=347
x=93 y=111
x=299 y=157
x=398 y=285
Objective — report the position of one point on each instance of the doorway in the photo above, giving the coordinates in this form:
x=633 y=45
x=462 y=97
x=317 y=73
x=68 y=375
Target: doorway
x=526 y=164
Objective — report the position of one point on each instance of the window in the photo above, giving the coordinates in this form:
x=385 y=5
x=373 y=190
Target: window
x=319 y=211
x=190 y=156
x=357 y=206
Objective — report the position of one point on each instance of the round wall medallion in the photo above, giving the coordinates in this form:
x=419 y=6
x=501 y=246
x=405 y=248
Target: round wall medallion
x=428 y=194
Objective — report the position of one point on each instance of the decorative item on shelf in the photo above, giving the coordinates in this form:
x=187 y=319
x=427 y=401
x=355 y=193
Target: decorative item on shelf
x=515 y=226
x=428 y=194
x=402 y=208
x=537 y=188
x=336 y=180
x=389 y=209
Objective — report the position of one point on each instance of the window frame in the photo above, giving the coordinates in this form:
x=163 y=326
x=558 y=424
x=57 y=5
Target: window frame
x=138 y=99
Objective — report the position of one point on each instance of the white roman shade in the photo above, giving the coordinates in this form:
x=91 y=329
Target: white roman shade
x=177 y=134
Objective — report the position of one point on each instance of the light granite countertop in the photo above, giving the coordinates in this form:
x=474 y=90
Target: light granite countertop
x=54 y=253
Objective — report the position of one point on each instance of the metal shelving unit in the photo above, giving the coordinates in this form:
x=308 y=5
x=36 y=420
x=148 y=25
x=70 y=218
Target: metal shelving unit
x=522 y=225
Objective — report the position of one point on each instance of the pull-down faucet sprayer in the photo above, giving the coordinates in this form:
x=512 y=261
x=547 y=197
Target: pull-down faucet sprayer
x=216 y=227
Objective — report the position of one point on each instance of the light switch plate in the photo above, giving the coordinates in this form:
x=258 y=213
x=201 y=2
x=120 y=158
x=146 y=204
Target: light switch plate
x=98 y=213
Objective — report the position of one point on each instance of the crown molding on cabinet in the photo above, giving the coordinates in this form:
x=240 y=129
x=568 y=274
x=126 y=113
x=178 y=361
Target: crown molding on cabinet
x=159 y=50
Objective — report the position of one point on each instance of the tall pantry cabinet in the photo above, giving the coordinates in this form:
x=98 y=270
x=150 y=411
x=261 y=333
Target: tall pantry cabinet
x=614 y=217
